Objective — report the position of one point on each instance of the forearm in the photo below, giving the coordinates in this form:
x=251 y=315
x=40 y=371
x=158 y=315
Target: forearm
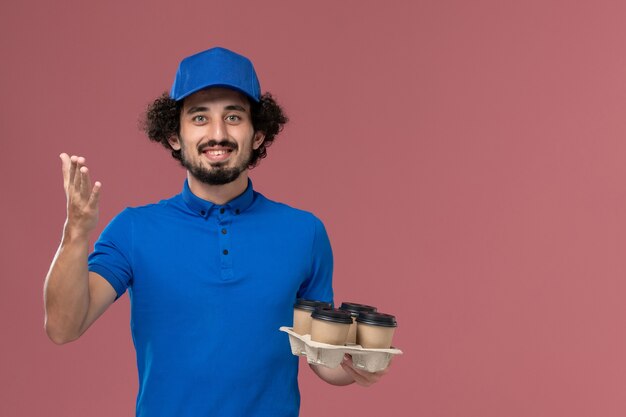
x=66 y=289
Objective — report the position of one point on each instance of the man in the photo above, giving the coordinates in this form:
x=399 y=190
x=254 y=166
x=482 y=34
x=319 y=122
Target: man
x=212 y=272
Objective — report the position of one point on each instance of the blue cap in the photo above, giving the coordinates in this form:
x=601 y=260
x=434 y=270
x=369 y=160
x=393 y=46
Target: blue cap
x=215 y=67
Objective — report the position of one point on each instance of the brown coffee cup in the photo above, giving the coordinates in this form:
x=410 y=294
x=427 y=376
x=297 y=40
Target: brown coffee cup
x=302 y=310
x=330 y=326
x=375 y=330
x=354 y=309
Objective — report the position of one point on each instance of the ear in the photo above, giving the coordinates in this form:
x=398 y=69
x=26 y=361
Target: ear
x=174 y=142
x=257 y=140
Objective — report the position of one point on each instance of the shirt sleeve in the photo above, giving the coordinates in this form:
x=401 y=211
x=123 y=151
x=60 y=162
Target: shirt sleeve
x=112 y=255
x=319 y=285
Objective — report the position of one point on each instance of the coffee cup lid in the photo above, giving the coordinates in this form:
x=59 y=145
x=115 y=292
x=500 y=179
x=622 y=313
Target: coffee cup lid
x=333 y=315
x=356 y=308
x=377 y=319
x=311 y=305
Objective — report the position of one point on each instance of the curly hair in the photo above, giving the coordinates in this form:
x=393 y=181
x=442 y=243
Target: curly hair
x=162 y=121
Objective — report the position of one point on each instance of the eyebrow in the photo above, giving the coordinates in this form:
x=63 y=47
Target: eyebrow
x=199 y=109
x=236 y=107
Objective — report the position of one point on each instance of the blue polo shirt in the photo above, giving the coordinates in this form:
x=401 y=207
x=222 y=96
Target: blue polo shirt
x=209 y=287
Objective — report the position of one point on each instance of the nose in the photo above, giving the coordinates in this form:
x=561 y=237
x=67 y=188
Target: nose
x=218 y=129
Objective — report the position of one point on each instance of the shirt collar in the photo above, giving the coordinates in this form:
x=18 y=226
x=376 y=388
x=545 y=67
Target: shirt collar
x=204 y=207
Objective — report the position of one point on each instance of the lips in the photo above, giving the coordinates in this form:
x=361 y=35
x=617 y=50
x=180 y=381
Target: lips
x=217 y=153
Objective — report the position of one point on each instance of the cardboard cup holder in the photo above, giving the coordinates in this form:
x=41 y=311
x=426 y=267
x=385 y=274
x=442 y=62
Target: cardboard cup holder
x=371 y=360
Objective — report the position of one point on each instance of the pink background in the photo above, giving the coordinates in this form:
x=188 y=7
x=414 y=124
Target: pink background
x=467 y=158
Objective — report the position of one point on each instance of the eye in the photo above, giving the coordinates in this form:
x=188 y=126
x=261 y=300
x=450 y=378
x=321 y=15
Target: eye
x=199 y=119
x=233 y=118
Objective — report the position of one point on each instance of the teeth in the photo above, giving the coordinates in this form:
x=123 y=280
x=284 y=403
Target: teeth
x=216 y=153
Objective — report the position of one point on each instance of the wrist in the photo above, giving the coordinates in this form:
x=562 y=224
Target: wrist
x=73 y=234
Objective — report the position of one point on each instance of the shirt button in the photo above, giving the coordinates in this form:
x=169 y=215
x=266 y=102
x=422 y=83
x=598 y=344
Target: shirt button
x=222 y=210
x=225 y=252
x=224 y=231
x=237 y=211
x=203 y=212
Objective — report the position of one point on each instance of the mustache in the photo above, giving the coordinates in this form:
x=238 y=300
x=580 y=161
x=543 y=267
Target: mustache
x=222 y=143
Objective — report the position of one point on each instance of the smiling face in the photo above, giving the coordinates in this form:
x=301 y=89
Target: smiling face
x=216 y=135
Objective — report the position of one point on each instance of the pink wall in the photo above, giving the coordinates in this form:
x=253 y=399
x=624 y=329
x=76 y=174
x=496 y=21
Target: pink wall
x=468 y=159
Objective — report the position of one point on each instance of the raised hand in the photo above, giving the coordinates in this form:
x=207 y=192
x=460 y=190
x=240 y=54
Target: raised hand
x=82 y=197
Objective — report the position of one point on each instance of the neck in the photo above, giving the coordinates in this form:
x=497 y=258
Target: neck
x=218 y=194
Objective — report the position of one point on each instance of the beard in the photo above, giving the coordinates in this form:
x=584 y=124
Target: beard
x=218 y=174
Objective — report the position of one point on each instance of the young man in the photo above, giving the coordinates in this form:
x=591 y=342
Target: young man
x=211 y=272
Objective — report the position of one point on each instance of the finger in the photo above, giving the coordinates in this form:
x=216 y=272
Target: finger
x=348 y=367
x=65 y=167
x=73 y=160
x=80 y=161
x=94 y=199
x=85 y=182
x=367 y=374
x=361 y=376
x=358 y=378
x=347 y=359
